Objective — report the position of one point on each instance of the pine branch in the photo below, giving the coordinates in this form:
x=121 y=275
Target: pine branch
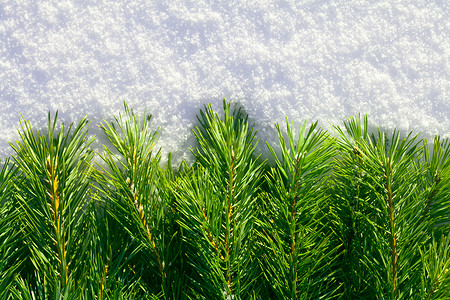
x=52 y=190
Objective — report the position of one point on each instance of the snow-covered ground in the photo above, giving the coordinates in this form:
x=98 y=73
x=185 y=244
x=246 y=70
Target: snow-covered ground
x=320 y=60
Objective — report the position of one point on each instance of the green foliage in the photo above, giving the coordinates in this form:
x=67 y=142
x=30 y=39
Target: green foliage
x=216 y=205
x=141 y=237
x=357 y=216
x=385 y=194
x=51 y=191
x=10 y=259
x=297 y=251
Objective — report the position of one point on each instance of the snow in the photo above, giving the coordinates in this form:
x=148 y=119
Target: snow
x=315 y=60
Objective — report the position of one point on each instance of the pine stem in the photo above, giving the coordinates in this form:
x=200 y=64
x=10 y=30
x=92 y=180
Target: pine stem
x=298 y=170
x=55 y=207
x=149 y=236
x=394 y=255
x=229 y=206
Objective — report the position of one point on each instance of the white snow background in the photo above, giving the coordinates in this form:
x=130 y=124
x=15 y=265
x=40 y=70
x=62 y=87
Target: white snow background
x=315 y=60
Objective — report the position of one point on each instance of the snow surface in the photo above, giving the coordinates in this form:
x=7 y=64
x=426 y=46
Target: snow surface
x=319 y=60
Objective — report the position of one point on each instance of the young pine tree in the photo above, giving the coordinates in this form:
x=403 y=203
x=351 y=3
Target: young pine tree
x=216 y=205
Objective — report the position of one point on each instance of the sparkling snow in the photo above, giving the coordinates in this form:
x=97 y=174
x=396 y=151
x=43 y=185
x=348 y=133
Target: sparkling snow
x=319 y=60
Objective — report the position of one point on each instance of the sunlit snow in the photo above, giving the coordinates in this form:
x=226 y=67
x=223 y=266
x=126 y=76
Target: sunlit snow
x=319 y=60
